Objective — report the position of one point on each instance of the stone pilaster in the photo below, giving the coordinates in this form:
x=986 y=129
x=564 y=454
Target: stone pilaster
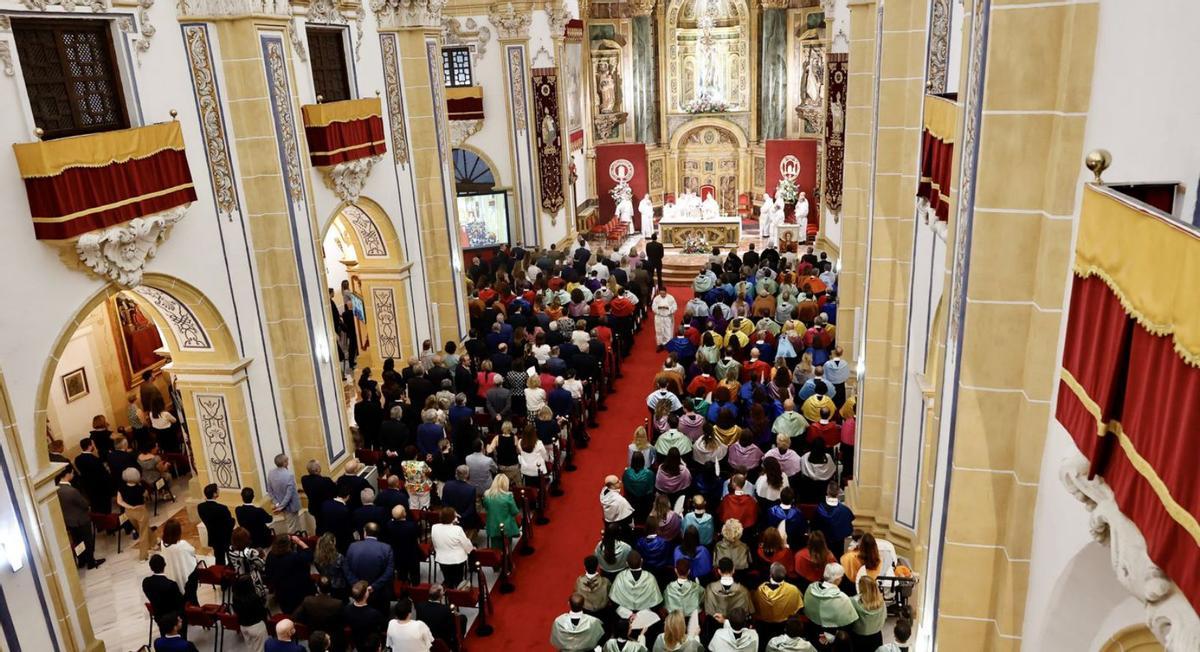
x=512 y=28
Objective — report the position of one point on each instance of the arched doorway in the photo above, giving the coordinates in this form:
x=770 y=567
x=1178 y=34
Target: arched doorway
x=101 y=353
x=365 y=269
x=709 y=154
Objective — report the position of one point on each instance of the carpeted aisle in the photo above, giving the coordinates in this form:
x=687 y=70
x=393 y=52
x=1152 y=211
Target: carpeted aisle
x=545 y=579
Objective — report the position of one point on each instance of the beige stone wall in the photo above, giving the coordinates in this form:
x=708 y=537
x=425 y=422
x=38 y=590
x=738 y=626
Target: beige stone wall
x=1037 y=85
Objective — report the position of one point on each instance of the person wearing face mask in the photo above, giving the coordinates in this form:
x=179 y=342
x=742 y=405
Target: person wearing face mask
x=700 y=519
x=575 y=630
x=593 y=587
x=726 y=595
x=634 y=589
x=734 y=635
x=775 y=601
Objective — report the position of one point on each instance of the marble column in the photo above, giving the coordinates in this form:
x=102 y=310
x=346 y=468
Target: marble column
x=645 y=83
x=772 y=110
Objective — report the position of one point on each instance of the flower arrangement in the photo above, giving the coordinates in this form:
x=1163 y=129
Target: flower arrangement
x=621 y=192
x=696 y=245
x=706 y=102
x=787 y=192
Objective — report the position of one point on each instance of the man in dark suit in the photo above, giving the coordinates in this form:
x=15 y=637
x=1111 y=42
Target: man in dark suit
x=317 y=489
x=77 y=517
x=750 y=258
x=323 y=612
x=352 y=481
x=371 y=560
x=172 y=640
x=419 y=386
x=369 y=512
x=501 y=360
x=460 y=495
x=162 y=592
x=255 y=519
x=93 y=479
x=654 y=257
x=119 y=459
x=394 y=435
x=363 y=620
x=218 y=521
x=404 y=536
x=392 y=496
x=438 y=617
x=336 y=518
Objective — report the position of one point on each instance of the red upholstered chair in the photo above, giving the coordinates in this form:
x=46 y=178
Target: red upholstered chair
x=745 y=210
x=707 y=190
x=669 y=198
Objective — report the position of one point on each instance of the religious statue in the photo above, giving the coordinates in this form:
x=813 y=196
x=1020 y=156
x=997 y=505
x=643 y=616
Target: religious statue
x=646 y=210
x=814 y=78
x=549 y=129
x=625 y=211
x=802 y=214
x=836 y=115
x=606 y=86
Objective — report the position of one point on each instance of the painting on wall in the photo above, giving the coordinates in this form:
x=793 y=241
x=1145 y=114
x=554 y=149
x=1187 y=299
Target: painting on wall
x=574 y=90
x=75 y=385
x=137 y=339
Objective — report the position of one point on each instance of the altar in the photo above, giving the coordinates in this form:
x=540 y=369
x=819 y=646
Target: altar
x=722 y=231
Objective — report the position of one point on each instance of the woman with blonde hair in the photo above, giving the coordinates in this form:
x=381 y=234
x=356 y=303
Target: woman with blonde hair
x=676 y=637
x=535 y=396
x=867 y=631
x=501 y=508
x=731 y=545
x=641 y=444
x=662 y=414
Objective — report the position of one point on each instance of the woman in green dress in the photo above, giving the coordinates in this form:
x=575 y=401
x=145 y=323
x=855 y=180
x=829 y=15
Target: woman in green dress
x=501 y=509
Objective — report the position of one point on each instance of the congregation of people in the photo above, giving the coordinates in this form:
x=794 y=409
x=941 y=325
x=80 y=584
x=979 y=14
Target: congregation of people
x=726 y=530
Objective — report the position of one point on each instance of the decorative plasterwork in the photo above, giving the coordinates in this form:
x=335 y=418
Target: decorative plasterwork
x=212 y=120
x=120 y=253
x=607 y=123
x=298 y=44
x=776 y=4
x=1168 y=613
x=510 y=23
x=97 y=6
x=395 y=97
x=408 y=13
x=469 y=32
x=939 y=46
x=677 y=122
x=234 y=8
x=557 y=16
x=186 y=328
x=346 y=180
x=461 y=130
x=142 y=43
x=641 y=7
x=366 y=230
x=384 y=300
x=5 y=23
x=217 y=437
x=329 y=12
x=6 y=59
x=286 y=123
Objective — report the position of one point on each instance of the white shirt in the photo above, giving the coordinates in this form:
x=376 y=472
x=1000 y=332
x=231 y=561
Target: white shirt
x=181 y=561
x=451 y=546
x=601 y=271
x=615 y=506
x=409 y=635
x=575 y=386
x=535 y=399
x=531 y=463
x=541 y=352
x=162 y=420
x=766 y=491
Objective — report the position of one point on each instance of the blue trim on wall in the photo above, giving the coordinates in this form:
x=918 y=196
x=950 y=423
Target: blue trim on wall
x=31 y=560
x=433 y=55
x=282 y=113
x=6 y=623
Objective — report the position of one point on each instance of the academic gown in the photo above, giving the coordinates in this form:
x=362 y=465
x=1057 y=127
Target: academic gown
x=775 y=604
x=827 y=606
x=576 y=633
x=594 y=591
x=613 y=645
x=635 y=593
x=664 y=308
x=683 y=596
x=785 y=643
x=728 y=640
x=721 y=600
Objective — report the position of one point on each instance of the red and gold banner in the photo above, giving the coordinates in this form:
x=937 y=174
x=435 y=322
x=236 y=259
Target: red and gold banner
x=835 y=128
x=549 y=137
x=799 y=158
x=83 y=183
x=464 y=103
x=1131 y=372
x=937 y=154
x=618 y=162
x=338 y=132
x=573 y=31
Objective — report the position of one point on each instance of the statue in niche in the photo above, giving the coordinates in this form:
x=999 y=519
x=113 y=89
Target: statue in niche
x=836 y=116
x=814 y=78
x=606 y=86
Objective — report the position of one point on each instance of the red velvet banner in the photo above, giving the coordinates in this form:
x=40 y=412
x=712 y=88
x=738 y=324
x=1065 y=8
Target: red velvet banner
x=99 y=197
x=464 y=108
x=934 y=185
x=1145 y=394
x=612 y=163
x=805 y=153
x=338 y=142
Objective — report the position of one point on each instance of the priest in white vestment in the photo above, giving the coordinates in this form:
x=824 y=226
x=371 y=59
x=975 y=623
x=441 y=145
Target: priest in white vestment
x=710 y=209
x=802 y=216
x=625 y=212
x=646 y=209
x=664 y=307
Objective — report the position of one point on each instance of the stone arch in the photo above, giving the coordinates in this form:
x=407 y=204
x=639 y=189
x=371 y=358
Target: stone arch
x=1086 y=591
x=382 y=278
x=210 y=378
x=739 y=136
x=1135 y=638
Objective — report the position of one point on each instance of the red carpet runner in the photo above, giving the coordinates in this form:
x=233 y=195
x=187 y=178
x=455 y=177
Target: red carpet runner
x=545 y=579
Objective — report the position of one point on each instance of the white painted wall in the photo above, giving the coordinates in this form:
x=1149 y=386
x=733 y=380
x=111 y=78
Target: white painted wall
x=74 y=419
x=1145 y=107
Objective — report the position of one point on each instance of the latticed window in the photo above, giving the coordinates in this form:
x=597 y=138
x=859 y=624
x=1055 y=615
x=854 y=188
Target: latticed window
x=456 y=67
x=327 y=56
x=73 y=85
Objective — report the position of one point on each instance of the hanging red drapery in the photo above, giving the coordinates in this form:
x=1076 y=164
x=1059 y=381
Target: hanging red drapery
x=338 y=132
x=1130 y=391
x=934 y=185
x=464 y=103
x=80 y=184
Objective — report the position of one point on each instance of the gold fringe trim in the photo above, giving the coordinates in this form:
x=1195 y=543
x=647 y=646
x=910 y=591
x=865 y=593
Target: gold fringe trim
x=117 y=204
x=346 y=149
x=1154 y=328
x=1177 y=512
x=51 y=157
x=323 y=115
x=941 y=117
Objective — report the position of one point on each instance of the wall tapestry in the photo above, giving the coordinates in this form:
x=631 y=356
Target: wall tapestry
x=835 y=129
x=549 y=137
